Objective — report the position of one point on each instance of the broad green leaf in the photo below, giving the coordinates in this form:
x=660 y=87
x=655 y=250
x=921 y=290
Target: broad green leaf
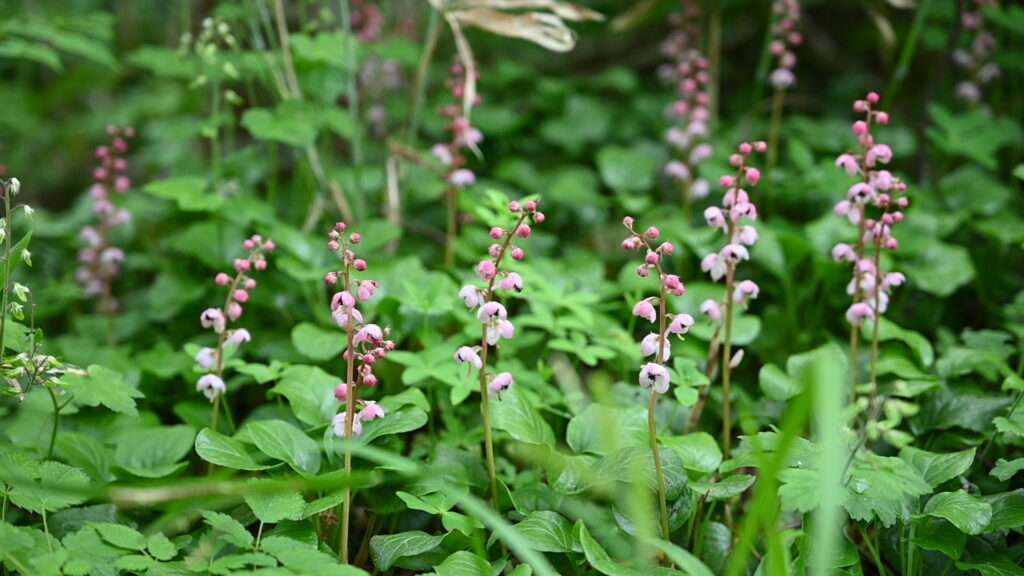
x=776 y=384
x=275 y=507
x=881 y=487
x=889 y=330
x=940 y=269
x=102 y=386
x=231 y=529
x=407 y=419
x=310 y=392
x=682 y=558
x=463 y=563
x=725 y=488
x=189 y=192
x=1007 y=510
x=317 y=343
x=603 y=429
x=283 y=441
x=1006 y=469
x=225 y=451
x=548 y=531
x=699 y=451
x=599 y=559
x=628 y=169
x=388 y=549
x=940 y=536
x=515 y=413
x=968 y=513
x=57 y=489
x=154 y=452
x=120 y=535
x=938 y=468
x=12 y=539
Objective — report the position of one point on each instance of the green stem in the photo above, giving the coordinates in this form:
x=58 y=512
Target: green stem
x=652 y=410
x=726 y=361
x=56 y=422
x=420 y=87
x=352 y=93
x=259 y=535
x=451 y=232
x=778 y=103
x=215 y=120
x=907 y=54
x=879 y=566
x=8 y=238
x=350 y=413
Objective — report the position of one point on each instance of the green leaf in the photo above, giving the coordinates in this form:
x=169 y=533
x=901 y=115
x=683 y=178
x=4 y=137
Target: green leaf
x=724 y=489
x=699 y=451
x=304 y=558
x=548 y=531
x=102 y=386
x=386 y=550
x=230 y=529
x=881 y=487
x=120 y=535
x=938 y=468
x=160 y=547
x=12 y=539
x=463 y=563
x=603 y=429
x=628 y=169
x=17 y=252
x=1006 y=469
x=317 y=343
x=888 y=331
x=940 y=536
x=603 y=563
x=398 y=422
x=968 y=513
x=189 y=192
x=225 y=451
x=135 y=562
x=776 y=384
x=310 y=392
x=515 y=413
x=682 y=558
x=275 y=507
x=283 y=441
x=1007 y=510
x=55 y=490
x=940 y=269
x=32 y=51
x=154 y=452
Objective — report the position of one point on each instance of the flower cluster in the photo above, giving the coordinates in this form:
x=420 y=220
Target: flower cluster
x=654 y=375
x=878 y=189
x=689 y=71
x=99 y=261
x=367 y=20
x=492 y=314
x=785 y=38
x=367 y=343
x=239 y=286
x=735 y=219
x=977 y=58
x=463 y=134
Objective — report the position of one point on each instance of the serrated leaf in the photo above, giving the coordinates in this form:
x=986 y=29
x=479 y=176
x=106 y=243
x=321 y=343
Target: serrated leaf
x=120 y=535
x=160 y=547
x=231 y=529
x=275 y=507
x=54 y=491
x=102 y=386
x=1006 y=469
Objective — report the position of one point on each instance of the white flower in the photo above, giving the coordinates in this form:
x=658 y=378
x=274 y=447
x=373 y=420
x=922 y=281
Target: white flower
x=649 y=346
x=206 y=358
x=470 y=295
x=211 y=386
x=467 y=355
x=654 y=376
x=239 y=337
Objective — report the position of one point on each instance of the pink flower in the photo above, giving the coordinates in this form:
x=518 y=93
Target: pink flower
x=674 y=285
x=512 y=281
x=442 y=153
x=239 y=337
x=713 y=265
x=857 y=313
x=745 y=290
x=497 y=233
x=649 y=346
x=893 y=279
x=206 y=358
x=860 y=193
x=213 y=318
x=711 y=309
x=367 y=288
x=848 y=163
x=518 y=254
x=734 y=253
x=486 y=270
x=222 y=279
x=211 y=386
x=359 y=265
x=748 y=235
x=492 y=310
x=677 y=170
x=654 y=376
x=343 y=298
x=462 y=178
x=470 y=296
x=880 y=153
x=338 y=425
x=241 y=296
x=467 y=355
x=644 y=309
x=523 y=231
x=341 y=392
x=843 y=253
x=344 y=316
x=753 y=176
x=715 y=217
x=782 y=78
x=500 y=383
x=371 y=334
x=498 y=330
x=371 y=411
x=680 y=324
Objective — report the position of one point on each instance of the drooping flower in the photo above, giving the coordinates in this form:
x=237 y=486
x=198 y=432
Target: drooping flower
x=467 y=355
x=654 y=376
x=644 y=309
x=500 y=383
x=211 y=386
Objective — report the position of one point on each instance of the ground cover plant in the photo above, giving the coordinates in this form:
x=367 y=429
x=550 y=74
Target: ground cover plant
x=478 y=287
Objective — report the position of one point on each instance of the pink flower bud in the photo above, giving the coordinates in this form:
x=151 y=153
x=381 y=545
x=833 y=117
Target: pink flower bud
x=860 y=128
x=531 y=206
x=370 y=380
x=523 y=231
x=497 y=233
x=753 y=176
x=249 y=245
x=241 y=296
x=628 y=222
x=518 y=254
x=746 y=149
x=359 y=265
x=223 y=279
x=882 y=118
x=242 y=265
x=356 y=237
x=333 y=245
x=873 y=97
x=261 y=265
x=486 y=270
x=341 y=392
x=331 y=278
x=652 y=258
x=269 y=246
x=653 y=233
x=539 y=217
x=727 y=181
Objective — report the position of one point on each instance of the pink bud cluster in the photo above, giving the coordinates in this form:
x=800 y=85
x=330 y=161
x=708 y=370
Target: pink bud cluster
x=688 y=70
x=367 y=20
x=463 y=134
x=368 y=343
x=491 y=313
x=735 y=219
x=211 y=360
x=99 y=261
x=654 y=375
x=883 y=193
x=785 y=39
x=977 y=58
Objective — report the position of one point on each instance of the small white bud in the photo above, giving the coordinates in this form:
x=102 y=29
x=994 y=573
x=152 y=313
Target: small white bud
x=21 y=291
x=26 y=257
x=14 y=185
x=736 y=359
x=29 y=211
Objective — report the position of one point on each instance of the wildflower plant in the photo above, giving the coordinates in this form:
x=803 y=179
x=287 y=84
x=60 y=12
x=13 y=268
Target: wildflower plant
x=100 y=260
x=785 y=39
x=219 y=320
x=655 y=375
x=366 y=345
x=735 y=219
x=493 y=316
x=463 y=136
x=688 y=70
x=977 y=59
x=875 y=206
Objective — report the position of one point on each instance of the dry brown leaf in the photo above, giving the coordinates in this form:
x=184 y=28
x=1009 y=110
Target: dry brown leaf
x=546 y=30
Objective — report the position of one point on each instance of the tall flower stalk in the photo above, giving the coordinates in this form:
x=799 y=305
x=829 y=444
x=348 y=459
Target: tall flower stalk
x=239 y=286
x=99 y=261
x=785 y=39
x=688 y=69
x=9 y=188
x=366 y=344
x=451 y=154
x=884 y=193
x=493 y=317
x=977 y=58
x=654 y=375
x=735 y=219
